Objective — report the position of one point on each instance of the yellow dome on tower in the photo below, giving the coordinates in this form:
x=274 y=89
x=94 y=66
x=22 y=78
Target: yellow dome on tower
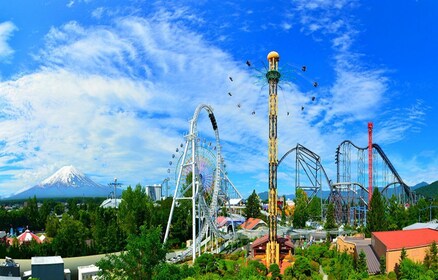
x=273 y=54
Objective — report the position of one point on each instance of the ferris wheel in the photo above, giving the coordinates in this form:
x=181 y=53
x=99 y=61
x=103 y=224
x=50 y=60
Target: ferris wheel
x=198 y=173
x=206 y=164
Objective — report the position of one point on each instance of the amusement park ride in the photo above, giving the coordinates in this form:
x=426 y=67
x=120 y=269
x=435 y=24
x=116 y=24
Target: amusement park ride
x=198 y=172
x=273 y=248
x=200 y=177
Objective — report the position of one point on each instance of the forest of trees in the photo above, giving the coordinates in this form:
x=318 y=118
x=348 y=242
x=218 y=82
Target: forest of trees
x=85 y=228
x=136 y=228
x=144 y=259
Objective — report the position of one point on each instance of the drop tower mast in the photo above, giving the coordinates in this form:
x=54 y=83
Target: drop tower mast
x=273 y=76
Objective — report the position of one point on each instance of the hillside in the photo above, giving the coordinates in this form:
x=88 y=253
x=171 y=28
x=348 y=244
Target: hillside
x=429 y=191
x=419 y=185
x=66 y=182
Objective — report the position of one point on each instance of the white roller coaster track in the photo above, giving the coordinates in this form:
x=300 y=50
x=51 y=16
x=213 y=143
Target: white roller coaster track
x=207 y=229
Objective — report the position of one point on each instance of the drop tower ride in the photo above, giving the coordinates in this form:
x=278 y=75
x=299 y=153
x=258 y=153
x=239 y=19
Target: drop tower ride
x=273 y=76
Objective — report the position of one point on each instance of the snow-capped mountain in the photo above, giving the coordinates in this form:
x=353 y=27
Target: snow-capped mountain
x=66 y=182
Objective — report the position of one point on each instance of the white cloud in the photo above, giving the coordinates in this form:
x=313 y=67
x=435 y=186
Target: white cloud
x=286 y=26
x=6 y=30
x=114 y=100
x=98 y=12
x=70 y=4
x=400 y=121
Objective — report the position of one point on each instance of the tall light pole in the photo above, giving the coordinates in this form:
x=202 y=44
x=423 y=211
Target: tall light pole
x=273 y=76
x=115 y=185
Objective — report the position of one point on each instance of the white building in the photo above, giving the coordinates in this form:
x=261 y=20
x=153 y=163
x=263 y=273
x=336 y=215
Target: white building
x=88 y=272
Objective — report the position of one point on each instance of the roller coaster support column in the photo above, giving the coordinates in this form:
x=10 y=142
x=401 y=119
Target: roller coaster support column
x=273 y=76
x=370 y=163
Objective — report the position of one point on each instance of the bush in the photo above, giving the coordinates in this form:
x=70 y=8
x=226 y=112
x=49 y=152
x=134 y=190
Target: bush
x=275 y=271
x=206 y=263
x=302 y=267
x=314 y=265
x=392 y=275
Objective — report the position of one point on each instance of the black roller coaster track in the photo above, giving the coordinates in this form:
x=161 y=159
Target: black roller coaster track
x=400 y=181
x=347 y=195
x=310 y=164
x=350 y=195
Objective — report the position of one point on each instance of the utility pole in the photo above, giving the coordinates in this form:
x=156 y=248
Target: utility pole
x=115 y=185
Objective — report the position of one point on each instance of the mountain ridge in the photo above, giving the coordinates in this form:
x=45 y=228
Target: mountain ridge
x=420 y=188
x=428 y=191
x=66 y=182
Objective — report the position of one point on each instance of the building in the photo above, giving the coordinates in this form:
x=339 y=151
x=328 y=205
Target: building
x=111 y=203
x=48 y=268
x=389 y=244
x=432 y=225
x=253 y=224
x=9 y=268
x=28 y=236
x=354 y=245
x=88 y=272
x=226 y=224
x=416 y=242
x=258 y=247
x=154 y=192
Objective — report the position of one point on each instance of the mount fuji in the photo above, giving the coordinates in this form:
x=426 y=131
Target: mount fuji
x=66 y=182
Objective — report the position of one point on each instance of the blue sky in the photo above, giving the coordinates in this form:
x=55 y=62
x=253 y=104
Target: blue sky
x=110 y=87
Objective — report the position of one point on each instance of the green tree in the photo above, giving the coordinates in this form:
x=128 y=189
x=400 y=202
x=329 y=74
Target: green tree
x=431 y=258
x=382 y=262
x=258 y=268
x=411 y=270
x=314 y=209
x=252 y=208
x=59 y=208
x=135 y=210
x=70 y=238
x=403 y=254
x=32 y=214
x=144 y=252
x=302 y=267
x=283 y=212
x=300 y=213
x=330 y=222
x=340 y=267
x=206 y=263
x=376 y=218
x=106 y=233
x=397 y=214
x=166 y=271
x=182 y=217
x=46 y=209
x=361 y=265
x=274 y=270
x=52 y=225
x=397 y=267
x=72 y=206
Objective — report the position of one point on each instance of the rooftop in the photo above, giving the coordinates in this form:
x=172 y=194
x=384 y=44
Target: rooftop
x=251 y=223
x=264 y=239
x=359 y=241
x=432 y=224
x=396 y=240
x=47 y=260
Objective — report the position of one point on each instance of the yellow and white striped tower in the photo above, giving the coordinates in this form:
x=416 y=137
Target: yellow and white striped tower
x=273 y=76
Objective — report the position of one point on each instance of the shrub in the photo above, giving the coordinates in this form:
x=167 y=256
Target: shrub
x=392 y=275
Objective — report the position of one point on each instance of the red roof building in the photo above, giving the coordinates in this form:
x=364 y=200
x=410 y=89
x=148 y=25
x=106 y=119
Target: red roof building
x=390 y=243
x=258 y=247
x=253 y=224
x=28 y=236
